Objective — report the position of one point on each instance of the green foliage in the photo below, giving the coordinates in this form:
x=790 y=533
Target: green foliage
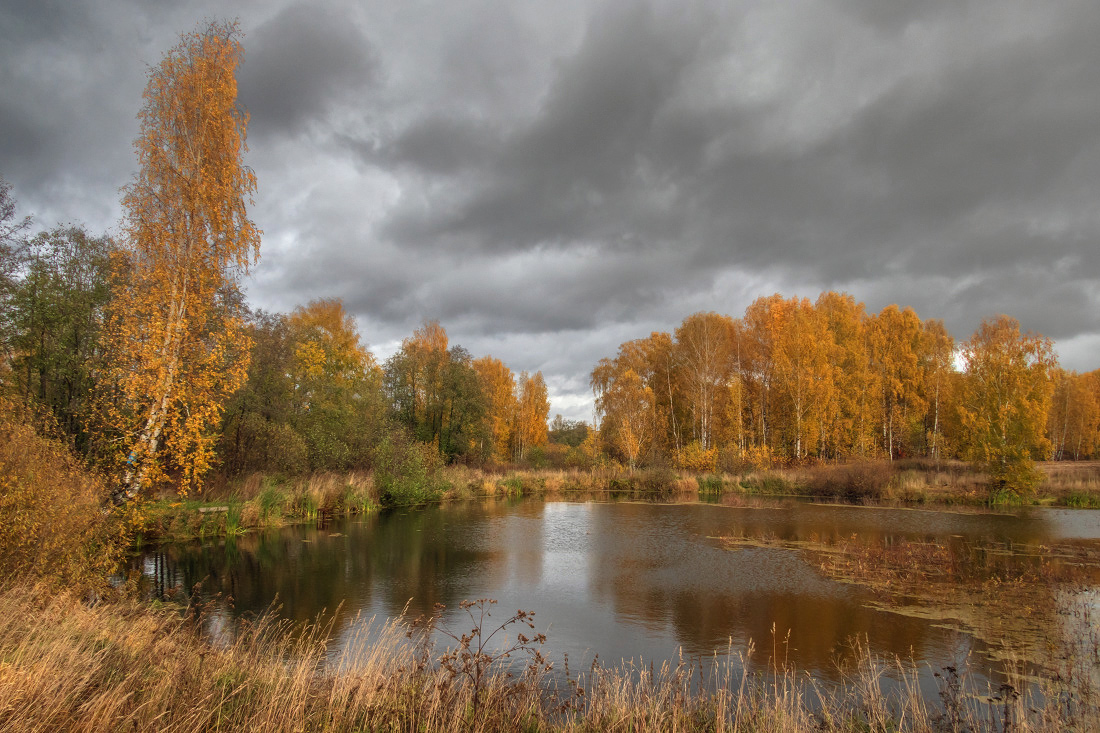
x=1004 y=496
x=406 y=472
x=571 y=433
x=357 y=500
x=272 y=500
x=710 y=483
x=436 y=394
x=312 y=400
x=513 y=486
x=766 y=483
x=53 y=315
x=1082 y=500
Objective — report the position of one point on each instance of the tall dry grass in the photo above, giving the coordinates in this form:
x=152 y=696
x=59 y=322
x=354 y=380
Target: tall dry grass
x=123 y=666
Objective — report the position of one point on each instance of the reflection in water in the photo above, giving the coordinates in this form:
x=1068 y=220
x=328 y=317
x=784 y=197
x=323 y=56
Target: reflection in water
x=625 y=580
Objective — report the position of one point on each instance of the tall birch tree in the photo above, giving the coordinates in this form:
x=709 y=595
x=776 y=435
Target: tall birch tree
x=177 y=348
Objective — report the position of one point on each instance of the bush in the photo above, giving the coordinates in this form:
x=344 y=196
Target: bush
x=851 y=481
x=693 y=457
x=405 y=471
x=710 y=484
x=52 y=523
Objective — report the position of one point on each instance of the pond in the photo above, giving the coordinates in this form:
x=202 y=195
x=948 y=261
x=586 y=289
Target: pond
x=629 y=581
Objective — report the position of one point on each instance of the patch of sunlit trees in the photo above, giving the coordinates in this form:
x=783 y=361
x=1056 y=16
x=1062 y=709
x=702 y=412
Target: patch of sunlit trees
x=795 y=380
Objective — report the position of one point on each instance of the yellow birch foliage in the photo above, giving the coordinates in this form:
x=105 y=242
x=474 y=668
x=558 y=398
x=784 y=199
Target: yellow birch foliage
x=1074 y=421
x=1006 y=395
x=703 y=354
x=895 y=336
x=328 y=344
x=176 y=348
x=849 y=422
x=532 y=408
x=499 y=388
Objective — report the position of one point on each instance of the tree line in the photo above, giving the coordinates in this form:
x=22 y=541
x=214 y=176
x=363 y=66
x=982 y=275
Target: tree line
x=795 y=380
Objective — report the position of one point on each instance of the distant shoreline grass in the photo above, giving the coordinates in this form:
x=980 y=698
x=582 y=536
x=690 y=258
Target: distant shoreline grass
x=262 y=501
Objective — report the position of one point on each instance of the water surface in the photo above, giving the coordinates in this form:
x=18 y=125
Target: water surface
x=624 y=580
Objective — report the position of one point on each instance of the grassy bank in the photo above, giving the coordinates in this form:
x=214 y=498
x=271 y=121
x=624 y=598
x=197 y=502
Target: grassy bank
x=68 y=666
x=259 y=501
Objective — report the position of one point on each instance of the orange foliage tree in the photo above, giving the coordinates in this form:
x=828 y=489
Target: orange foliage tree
x=498 y=387
x=1005 y=401
x=335 y=377
x=176 y=346
x=532 y=408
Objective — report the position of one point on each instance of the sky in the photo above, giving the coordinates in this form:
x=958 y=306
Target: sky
x=551 y=179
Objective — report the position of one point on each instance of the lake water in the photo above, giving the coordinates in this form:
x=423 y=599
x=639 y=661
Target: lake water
x=629 y=581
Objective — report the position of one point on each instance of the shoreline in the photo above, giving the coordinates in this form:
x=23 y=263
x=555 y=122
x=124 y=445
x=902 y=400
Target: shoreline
x=261 y=501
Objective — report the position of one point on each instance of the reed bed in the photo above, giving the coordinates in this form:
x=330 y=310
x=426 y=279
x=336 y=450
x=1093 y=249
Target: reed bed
x=66 y=665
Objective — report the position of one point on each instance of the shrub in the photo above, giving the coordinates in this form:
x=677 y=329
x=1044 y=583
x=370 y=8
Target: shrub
x=52 y=523
x=709 y=483
x=693 y=457
x=860 y=480
x=405 y=471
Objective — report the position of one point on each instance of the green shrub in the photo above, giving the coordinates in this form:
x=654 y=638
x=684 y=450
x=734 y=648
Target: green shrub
x=710 y=483
x=406 y=472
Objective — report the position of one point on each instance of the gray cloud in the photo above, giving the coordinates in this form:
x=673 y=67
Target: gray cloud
x=300 y=64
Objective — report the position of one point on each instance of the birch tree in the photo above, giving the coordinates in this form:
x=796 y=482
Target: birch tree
x=1005 y=402
x=177 y=349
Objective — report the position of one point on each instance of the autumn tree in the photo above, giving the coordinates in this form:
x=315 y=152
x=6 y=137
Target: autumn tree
x=1005 y=401
x=1073 y=425
x=703 y=348
x=335 y=379
x=626 y=401
x=414 y=379
x=177 y=348
x=260 y=424
x=848 y=427
x=498 y=387
x=11 y=240
x=803 y=377
x=532 y=410
x=895 y=336
x=937 y=361
x=756 y=362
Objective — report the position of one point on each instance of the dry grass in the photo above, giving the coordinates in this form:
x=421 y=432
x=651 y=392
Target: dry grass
x=1072 y=483
x=124 y=666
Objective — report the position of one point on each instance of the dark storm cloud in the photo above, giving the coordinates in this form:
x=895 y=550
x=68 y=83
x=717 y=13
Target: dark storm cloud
x=549 y=180
x=299 y=64
x=576 y=172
